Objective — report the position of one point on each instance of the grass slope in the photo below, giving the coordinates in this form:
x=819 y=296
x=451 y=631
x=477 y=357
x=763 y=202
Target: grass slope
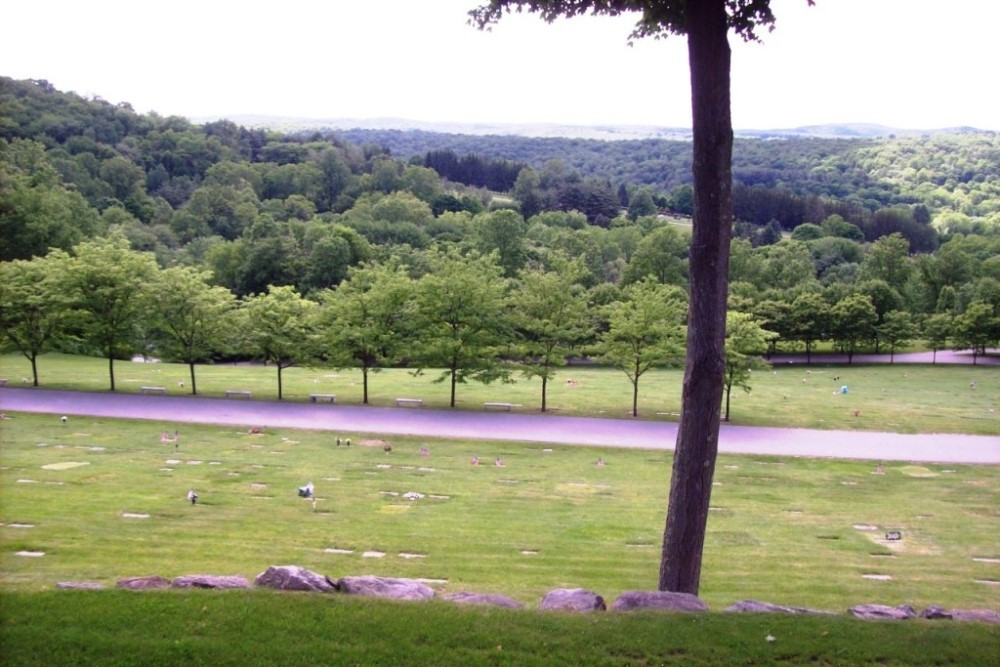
x=241 y=629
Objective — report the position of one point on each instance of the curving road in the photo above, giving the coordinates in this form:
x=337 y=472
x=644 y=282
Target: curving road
x=928 y=448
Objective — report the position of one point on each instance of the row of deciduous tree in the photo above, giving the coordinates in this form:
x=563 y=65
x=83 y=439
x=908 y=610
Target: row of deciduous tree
x=452 y=311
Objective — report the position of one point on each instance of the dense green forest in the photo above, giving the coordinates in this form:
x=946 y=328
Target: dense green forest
x=865 y=243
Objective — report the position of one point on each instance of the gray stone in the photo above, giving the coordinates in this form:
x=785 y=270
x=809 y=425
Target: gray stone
x=144 y=583
x=881 y=612
x=209 y=581
x=385 y=587
x=755 y=606
x=465 y=597
x=662 y=600
x=977 y=615
x=935 y=612
x=293 y=578
x=572 y=599
x=80 y=585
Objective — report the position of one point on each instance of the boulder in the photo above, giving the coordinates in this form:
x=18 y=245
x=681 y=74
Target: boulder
x=935 y=612
x=209 y=581
x=80 y=585
x=881 y=612
x=755 y=606
x=572 y=599
x=465 y=597
x=661 y=600
x=385 y=587
x=978 y=615
x=293 y=578
x=152 y=582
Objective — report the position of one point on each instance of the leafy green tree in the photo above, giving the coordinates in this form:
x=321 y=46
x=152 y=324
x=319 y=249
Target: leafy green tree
x=777 y=315
x=853 y=321
x=809 y=319
x=107 y=286
x=528 y=193
x=663 y=255
x=402 y=207
x=585 y=247
x=33 y=308
x=832 y=251
x=807 y=232
x=746 y=340
x=37 y=211
x=328 y=262
x=745 y=265
x=422 y=182
x=937 y=331
x=976 y=329
x=682 y=200
x=366 y=322
x=548 y=310
x=502 y=232
x=226 y=211
x=706 y=24
x=460 y=319
x=385 y=175
x=191 y=320
x=641 y=204
x=277 y=327
x=888 y=259
x=786 y=264
x=883 y=297
x=336 y=179
x=895 y=330
x=645 y=329
x=835 y=225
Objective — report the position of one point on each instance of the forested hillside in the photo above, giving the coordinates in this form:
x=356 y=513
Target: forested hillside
x=865 y=243
x=954 y=175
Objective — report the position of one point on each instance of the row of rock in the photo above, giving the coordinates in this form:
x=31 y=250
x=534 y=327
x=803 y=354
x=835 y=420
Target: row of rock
x=294 y=578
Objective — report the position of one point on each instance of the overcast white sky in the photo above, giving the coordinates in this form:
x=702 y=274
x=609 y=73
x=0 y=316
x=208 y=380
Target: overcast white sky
x=915 y=64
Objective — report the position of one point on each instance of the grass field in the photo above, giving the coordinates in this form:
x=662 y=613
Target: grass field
x=99 y=500
x=106 y=499
x=216 y=629
x=900 y=398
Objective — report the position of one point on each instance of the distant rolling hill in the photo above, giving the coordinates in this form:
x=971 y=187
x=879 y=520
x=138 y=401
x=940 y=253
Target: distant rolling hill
x=608 y=132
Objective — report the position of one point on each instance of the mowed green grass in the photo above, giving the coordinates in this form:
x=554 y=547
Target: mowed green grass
x=105 y=499
x=260 y=628
x=903 y=398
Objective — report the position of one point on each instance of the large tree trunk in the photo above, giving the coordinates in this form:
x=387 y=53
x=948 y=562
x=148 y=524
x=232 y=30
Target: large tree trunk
x=698 y=432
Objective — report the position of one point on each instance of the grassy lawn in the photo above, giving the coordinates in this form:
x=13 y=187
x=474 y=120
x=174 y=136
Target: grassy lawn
x=901 y=398
x=104 y=499
x=240 y=629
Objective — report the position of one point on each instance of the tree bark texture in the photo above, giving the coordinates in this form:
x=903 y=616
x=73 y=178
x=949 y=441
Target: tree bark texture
x=698 y=432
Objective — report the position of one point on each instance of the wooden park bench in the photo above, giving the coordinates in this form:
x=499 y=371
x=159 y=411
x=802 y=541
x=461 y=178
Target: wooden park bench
x=412 y=402
x=498 y=406
x=152 y=390
x=316 y=398
x=237 y=393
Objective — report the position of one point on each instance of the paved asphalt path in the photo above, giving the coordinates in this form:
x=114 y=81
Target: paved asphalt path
x=929 y=448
